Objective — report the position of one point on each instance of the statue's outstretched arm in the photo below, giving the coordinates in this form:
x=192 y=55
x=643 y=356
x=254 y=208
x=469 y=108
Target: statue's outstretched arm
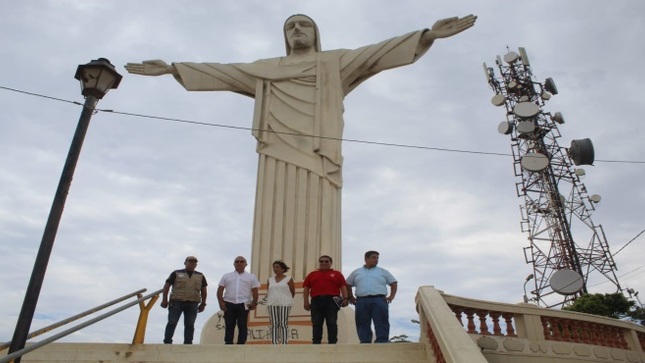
x=448 y=27
x=155 y=67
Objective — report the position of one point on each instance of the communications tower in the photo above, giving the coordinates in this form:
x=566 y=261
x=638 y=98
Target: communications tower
x=567 y=250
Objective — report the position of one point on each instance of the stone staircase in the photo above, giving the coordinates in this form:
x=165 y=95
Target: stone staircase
x=294 y=353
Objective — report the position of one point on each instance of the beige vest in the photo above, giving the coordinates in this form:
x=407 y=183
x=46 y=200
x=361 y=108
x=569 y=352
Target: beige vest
x=187 y=288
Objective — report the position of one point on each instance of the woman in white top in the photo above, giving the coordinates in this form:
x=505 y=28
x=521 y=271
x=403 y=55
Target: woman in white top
x=281 y=291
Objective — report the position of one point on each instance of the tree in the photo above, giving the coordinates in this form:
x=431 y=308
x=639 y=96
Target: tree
x=400 y=339
x=638 y=315
x=614 y=305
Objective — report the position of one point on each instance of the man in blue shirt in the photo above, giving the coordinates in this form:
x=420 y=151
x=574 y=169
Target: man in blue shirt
x=371 y=299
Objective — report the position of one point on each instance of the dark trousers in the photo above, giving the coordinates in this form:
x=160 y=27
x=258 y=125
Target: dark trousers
x=175 y=309
x=324 y=310
x=235 y=314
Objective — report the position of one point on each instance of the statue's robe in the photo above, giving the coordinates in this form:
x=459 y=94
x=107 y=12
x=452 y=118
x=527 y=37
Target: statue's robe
x=298 y=124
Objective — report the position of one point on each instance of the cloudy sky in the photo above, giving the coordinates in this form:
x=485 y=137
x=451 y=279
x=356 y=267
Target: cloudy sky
x=148 y=192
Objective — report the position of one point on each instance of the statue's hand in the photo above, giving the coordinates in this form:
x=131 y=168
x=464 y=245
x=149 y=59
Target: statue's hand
x=155 y=67
x=448 y=27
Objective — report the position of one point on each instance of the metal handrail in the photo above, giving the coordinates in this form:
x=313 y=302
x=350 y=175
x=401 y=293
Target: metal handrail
x=67 y=332
x=36 y=333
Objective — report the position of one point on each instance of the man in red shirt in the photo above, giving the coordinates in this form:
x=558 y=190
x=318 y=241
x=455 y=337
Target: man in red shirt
x=324 y=285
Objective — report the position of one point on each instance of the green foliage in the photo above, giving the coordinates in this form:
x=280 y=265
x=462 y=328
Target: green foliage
x=400 y=339
x=611 y=305
x=614 y=305
x=638 y=315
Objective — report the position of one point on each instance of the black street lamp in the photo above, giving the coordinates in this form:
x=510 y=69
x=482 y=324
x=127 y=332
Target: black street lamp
x=97 y=78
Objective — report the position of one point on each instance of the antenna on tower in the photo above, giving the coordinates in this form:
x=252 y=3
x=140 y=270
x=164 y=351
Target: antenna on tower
x=566 y=249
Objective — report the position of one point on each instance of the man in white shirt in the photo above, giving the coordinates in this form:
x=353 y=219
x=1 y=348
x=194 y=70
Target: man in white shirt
x=237 y=293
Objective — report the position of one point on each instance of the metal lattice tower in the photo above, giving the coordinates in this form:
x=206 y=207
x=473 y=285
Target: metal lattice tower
x=566 y=249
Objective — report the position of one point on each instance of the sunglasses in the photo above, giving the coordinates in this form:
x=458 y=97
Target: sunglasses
x=240 y=261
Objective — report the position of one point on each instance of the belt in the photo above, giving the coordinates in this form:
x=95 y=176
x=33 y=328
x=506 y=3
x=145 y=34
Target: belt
x=369 y=296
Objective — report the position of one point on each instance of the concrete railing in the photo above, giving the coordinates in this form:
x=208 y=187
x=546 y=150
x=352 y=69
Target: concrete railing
x=530 y=333
x=443 y=335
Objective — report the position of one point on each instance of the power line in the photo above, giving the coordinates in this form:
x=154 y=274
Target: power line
x=340 y=139
x=615 y=253
x=632 y=271
x=39 y=95
x=380 y=143
x=304 y=135
x=620 y=161
x=630 y=241
x=621 y=276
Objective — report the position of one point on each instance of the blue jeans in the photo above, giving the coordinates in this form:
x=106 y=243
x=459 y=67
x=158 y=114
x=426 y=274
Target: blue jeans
x=374 y=309
x=175 y=309
x=324 y=309
x=235 y=314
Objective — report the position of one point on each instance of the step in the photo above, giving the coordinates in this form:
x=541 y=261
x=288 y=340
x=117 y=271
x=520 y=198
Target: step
x=294 y=353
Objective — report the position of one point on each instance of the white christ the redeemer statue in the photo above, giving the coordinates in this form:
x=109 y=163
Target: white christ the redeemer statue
x=298 y=124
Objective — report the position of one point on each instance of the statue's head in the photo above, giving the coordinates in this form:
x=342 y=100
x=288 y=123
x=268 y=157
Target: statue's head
x=300 y=31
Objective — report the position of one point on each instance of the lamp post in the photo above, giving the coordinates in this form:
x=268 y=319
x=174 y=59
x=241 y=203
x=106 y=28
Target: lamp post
x=528 y=278
x=97 y=78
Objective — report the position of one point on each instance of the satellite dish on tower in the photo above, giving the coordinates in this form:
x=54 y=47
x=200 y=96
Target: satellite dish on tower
x=498 y=100
x=505 y=128
x=557 y=117
x=511 y=57
x=525 y=127
x=581 y=152
x=566 y=282
x=534 y=161
x=526 y=109
x=549 y=85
